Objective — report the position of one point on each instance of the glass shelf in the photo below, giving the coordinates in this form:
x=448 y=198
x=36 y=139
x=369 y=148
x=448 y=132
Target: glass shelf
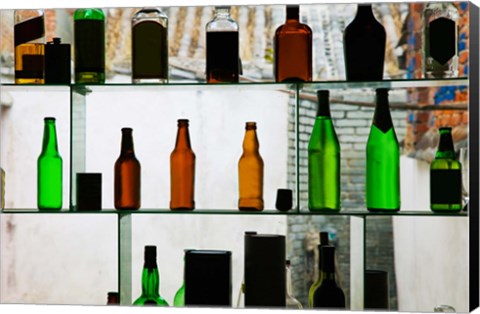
x=362 y=213
x=393 y=83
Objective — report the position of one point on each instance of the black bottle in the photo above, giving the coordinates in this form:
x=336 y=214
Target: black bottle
x=364 y=46
x=328 y=295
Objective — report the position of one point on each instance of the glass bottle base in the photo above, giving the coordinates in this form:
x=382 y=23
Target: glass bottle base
x=442 y=208
x=382 y=210
x=89 y=77
x=149 y=80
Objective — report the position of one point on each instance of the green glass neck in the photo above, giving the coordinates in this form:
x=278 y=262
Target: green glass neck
x=445 y=147
x=150 y=282
x=49 y=139
x=382 y=118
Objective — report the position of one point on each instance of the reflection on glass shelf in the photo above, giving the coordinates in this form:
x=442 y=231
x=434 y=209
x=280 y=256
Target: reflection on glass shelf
x=393 y=83
x=344 y=212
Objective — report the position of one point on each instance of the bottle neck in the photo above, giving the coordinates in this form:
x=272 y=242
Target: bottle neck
x=150 y=281
x=323 y=109
x=250 y=142
x=382 y=118
x=127 y=143
x=328 y=276
x=289 y=281
x=49 y=138
x=293 y=13
x=183 y=138
x=445 y=147
x=223 y=13
x=364 y=11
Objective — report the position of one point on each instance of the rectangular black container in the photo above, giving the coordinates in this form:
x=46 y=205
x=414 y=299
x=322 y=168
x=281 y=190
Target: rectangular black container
x=89 y=191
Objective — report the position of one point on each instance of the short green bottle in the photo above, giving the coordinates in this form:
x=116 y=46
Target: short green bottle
x=49 y=170
x=150 y=280
x=445 y=176
x=323 y=160
x=383 y=160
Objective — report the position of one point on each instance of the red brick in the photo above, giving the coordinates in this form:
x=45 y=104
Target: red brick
x=454 y=119
x=421 y=128
x=422 y=117
x=463 y=59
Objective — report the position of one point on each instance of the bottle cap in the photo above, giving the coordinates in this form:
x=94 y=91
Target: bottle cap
x=49 y=119
x=127 y=129
x=445 y=128
x=250 y=125
x=323 y=96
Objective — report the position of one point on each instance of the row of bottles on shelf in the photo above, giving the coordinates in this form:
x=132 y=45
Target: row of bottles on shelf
x=324 y=185
x=364 y=47
x=267 y=278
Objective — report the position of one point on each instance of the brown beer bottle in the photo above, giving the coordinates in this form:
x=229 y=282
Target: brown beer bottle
x=127 y=175
x=293 y=49
x=250 y=172
x=182 y=170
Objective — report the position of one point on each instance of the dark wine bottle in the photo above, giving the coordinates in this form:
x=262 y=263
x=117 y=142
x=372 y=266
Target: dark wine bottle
x=328 y=294
x=316 y=284
x=364 y=46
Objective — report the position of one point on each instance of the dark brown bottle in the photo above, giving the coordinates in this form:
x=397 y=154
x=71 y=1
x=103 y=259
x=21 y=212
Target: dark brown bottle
x=328 y=295
x=223 y=60
x=364 y=46
x=293 y=49
x=182 y=170
x=127 y=175
x=113 y=298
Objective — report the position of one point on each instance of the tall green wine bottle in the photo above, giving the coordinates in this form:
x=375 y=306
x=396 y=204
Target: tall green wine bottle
x=49 y=170
x=150 y=280
x=383 y=159
x=323 y=160
x=445 y=176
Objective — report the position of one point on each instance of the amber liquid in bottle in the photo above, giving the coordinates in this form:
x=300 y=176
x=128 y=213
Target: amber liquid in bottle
x=127 y=175
x=250 y=172
x=293 y=49
x=182 y=171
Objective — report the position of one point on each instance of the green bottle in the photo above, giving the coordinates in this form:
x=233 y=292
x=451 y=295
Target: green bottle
x=445 y=176
x=49 y=167
x=150 y=280
x=89 y=38
x=323 y=161
x=383 y=159
x=179 y=299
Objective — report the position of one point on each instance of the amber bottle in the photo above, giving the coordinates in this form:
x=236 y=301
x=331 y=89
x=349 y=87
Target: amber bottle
x=127 y=175
x=293 y=49
x=182 y=170
x=250 y=172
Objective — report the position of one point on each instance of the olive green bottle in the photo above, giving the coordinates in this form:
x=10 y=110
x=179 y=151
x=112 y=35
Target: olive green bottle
x=383 y=159
x=445 y=176
x=323 y=160
x=150 y=280
x=49 y=167
x=318 y=282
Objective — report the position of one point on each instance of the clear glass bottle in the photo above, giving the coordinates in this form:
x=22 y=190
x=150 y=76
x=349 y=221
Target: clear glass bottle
x=150 y=280
x=383 y=159
x=445 y=176
x=440 y=40
x=323 y=160
x=89 y=39
x=150 y=46
x=291 y=302
x=293 y=49
x=364 y=44
x=182 y=170
x=222 y=47
x=250 y=172
x=127 y=175
x=50 y=169
x=29 y=42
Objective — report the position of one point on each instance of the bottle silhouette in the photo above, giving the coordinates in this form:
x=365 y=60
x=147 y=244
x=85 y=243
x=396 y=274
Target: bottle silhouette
x=440 y=40
x=113 y=298
x=150 y=280
x=182 y=170
x=127 y=175
x=383 y=159
x=150 y=46
x=445 y=176
x=328 y=295
x=364 y=46
x=89 y=38
x=316 y=284
x=293 y=49
x=29 y=42
x=49 y=167
x=223 y=59
x=323 y=160
x=250 y=172
x=291 y=302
